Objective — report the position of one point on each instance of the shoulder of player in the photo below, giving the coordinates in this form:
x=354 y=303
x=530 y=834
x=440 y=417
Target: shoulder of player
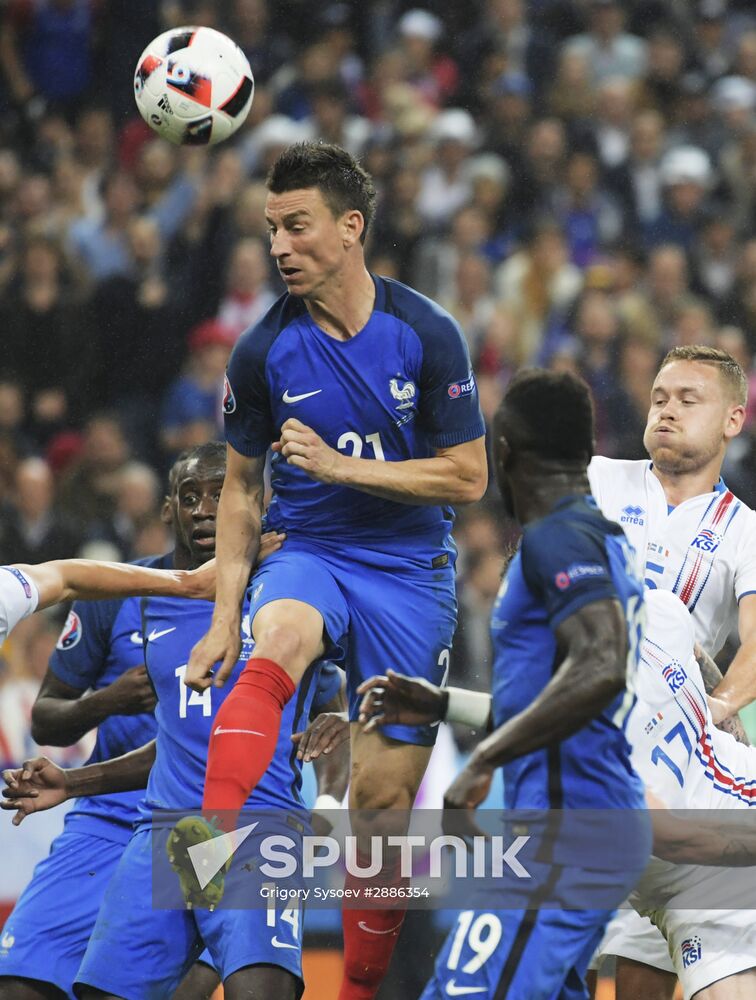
x=253 y=345
x=746 y=519
x=419 y=312
x=612 y=470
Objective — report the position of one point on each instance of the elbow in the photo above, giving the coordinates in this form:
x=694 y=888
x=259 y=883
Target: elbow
x=472 y=488
x=41 y=732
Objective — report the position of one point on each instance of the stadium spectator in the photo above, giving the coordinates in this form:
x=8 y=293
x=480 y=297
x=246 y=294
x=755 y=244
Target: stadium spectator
x=538 y=283
x=101 y=245
x=191 y=409
x=47 y=51
x=248 y=293
x=608 y=49
x=88 y=490
x=33 y=530
x=435 y=76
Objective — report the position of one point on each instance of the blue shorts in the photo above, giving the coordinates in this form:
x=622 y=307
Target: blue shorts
x=518 y=955
x=138 y=951
x=46 y=934
x=380 y=610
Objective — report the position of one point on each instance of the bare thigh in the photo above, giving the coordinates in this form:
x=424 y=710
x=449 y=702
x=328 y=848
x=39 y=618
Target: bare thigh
x=635 y=981
x=16 y=988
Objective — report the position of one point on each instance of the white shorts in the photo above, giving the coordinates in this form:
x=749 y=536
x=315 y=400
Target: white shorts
x=630 y=935
x=18 y=599
x=708 y=945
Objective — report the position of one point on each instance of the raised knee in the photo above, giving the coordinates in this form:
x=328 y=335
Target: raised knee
x=282 y=643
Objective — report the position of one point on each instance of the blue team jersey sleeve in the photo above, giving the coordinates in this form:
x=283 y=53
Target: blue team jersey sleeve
x=84 y=643
x=566 y=567
x=246 y=407
x=449 y=407
x=329 y=683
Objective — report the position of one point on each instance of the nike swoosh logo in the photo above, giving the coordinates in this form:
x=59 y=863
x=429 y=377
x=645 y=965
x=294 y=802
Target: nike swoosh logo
x=219 y=731
x=457 y=991
x=136 y=638
x=154 y=634
x=364 y=927
x=281 y=944
x=295 y=399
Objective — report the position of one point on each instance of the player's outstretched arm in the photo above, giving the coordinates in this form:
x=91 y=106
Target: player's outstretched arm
x=738 y=687
x=91 y=580
x=62 y=714
x=40 y=784
x=458 y=474
x=685 y=837
x=236 y=548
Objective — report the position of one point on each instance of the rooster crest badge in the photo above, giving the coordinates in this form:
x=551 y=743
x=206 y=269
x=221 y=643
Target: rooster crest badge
x=405 y=393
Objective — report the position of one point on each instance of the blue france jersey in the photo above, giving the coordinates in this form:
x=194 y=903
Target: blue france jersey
x=99 y=642
x=399 y=389
x=568 y=559
x=185 y=718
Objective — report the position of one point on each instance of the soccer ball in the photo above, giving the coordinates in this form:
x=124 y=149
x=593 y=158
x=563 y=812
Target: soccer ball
x=193 y=86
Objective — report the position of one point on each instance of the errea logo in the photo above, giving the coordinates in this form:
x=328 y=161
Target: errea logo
x=632 y=514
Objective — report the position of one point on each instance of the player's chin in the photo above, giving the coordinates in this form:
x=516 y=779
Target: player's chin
x=202 y=554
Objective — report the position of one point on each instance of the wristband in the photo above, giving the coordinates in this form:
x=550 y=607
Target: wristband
x=469 y=707
x=323 y=802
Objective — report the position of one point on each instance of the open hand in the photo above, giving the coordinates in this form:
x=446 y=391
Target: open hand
x=398 y=700
x=37 y=785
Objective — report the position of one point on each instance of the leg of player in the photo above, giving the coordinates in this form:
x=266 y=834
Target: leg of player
x=16 y=988
x=741 y=986
x=634 y=979
x=386 y=775
x=200 y=982
x=288 y=636
x=261 y=982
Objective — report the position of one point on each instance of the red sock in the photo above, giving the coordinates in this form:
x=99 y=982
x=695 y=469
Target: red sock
x=369 y=940
x=244 y=737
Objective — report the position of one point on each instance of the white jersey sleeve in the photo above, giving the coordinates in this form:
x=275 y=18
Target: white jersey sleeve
x=676 y=749
x=18 y=598
x=745 y=569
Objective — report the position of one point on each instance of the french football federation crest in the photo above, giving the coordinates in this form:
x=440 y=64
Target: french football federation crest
x=405 y=394
x=229 y=400
x=71 y=633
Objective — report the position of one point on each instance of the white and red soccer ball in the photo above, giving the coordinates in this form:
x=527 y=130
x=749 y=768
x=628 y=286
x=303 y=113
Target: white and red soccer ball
x=193 y=86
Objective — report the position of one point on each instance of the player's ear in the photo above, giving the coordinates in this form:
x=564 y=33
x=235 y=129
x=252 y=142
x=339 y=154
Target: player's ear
x=353 y=224
x=166 y=511
x=735 y=421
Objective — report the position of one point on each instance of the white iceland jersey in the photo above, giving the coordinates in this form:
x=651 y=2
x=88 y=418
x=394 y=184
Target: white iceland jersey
x=18 y=599
x=704 y=550
x=683 y=757
x=676 y=748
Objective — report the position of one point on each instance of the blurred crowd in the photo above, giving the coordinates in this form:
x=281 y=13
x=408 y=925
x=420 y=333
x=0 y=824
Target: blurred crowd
x=574 y=180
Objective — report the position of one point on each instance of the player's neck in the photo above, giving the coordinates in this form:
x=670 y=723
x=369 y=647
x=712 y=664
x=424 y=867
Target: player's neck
x=343 y=306
x=536 y=494
x=679 y=487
